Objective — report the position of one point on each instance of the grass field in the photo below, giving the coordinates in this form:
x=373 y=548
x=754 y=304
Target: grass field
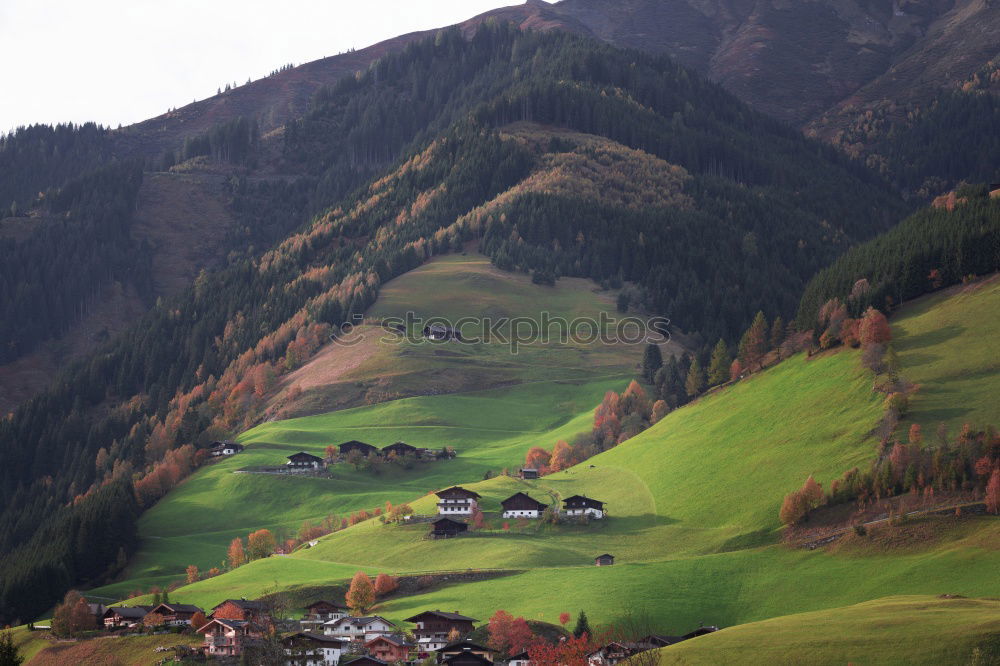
x=693 y=505
x=947 y=345
x=542 y=393
x=895 y=630
x=377 y=366
x=117 y=650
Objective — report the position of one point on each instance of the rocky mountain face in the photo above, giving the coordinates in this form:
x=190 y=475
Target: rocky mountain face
x=812 y=63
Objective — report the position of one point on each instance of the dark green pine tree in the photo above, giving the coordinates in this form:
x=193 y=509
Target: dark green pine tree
x=9 y=654
x=582 y=626
x=652 y=360
x=718 y=367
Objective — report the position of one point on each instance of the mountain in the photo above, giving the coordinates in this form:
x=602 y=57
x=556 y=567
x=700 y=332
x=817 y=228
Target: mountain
x=822 y=65
x=554 y=153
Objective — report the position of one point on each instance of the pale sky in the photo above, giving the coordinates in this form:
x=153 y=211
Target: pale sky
x=122 y=61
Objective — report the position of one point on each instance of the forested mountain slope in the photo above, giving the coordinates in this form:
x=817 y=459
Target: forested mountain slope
x=126 y=422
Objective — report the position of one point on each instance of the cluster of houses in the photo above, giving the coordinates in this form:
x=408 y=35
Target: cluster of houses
x=329 y=635
x=305 y=462
x=457 y=502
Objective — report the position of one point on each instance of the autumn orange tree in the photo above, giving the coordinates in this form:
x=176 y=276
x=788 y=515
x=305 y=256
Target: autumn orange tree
x=192 y=574
x=797 y=504
x=360 y=595
x=874 y=328
x=236 y=556
x=198 y=620
x=508 y=634
x=385 y=584
x=261 y=544
x=570 y=652
x=72 y=615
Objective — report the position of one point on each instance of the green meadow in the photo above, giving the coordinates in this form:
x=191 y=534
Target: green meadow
x=896 y=630
x=947 y=345
x=693 y=503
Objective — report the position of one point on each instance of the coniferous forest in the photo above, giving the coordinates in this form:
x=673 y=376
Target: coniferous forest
x=421 y=131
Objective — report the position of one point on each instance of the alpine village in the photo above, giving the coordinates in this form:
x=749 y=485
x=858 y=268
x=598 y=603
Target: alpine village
x=571 y=333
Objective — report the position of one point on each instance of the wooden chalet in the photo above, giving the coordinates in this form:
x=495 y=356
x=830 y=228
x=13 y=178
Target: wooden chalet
x=457 y=501
x=611 y=653
x=528 y=473
x=228 y=638
x=400 y=449
x=242 y=609
x=354 y=445
x=324 y=611
x=390 y=648
x=521 y=505
x=173 y=615
x=463 y=646
x=360 y=628
x=303 y=460
x=225 y=449
x=441 y=332
x=311 y=649
x=604 y=560
x=578 y=505
x=446 y=528
x=433 y=628
x=125 y=616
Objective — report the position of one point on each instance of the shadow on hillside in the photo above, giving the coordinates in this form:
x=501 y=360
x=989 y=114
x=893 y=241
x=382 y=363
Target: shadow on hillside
x=934 y=337
x=748 y=540
x=637 y=523
x=917 y=359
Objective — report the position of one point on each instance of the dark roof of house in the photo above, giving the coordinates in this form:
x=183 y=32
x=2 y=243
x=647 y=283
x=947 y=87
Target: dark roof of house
x=519 y=656
x=523 y=502
x=601 y=557
x=232 y=624
x=400 y=446
x=243 y=603
x=458 y=646
x=177 y=608
x=312 y=636
x=302 y=455
x=457 y=491
x=580 y=500
x=395 y=639
x=442 y=614
x=442 y=524
x=466 y=657
x=128 y=611
x=355 y=444
x=659 y=640
x=362 y=621
x=365 y=660
x=700 y=631
x=327 y=603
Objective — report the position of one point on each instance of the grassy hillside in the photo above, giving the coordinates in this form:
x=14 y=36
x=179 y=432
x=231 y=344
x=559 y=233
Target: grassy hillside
x=377 y=365
x=895 y=630
x=693 y=507
x=544 y=392
x=946 y=344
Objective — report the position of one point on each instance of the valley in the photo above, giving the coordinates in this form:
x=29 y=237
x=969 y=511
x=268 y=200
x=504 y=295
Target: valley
x=670 y=323
x=693 y=501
